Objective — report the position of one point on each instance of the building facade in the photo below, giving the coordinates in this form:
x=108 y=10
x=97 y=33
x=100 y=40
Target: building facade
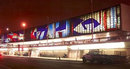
x=106 y=31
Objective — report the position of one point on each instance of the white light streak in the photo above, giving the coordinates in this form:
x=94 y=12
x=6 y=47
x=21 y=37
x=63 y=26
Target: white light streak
x=98 y=46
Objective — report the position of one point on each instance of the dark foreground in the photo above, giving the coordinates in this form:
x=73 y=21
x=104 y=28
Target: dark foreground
x=33 y=63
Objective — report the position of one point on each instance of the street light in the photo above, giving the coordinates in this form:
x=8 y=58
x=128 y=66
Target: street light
x=7 y=32
x=7 y=29
x=23 y=25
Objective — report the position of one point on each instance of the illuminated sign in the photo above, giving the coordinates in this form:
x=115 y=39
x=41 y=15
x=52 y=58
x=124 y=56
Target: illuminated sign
x=99 y=21
x=39 y=33
x=62 y=29
x=51 y=31
x=104 y=20
x=13 y=37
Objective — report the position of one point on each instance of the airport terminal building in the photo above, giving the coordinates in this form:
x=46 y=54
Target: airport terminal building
x=106 y=31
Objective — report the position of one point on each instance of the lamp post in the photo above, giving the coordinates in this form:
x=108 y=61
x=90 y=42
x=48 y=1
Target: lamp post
x=23 y=25
x=7 y=31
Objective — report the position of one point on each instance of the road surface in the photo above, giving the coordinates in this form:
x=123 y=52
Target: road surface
x=7 y=62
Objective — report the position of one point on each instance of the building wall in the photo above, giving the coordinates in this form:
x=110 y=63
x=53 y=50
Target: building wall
x=125 y=17
x=76 y=54
x=128 y=53
x=127 y=44
x=53 y=53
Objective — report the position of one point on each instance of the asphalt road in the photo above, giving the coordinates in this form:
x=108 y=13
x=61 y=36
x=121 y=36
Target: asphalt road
x=38 y=63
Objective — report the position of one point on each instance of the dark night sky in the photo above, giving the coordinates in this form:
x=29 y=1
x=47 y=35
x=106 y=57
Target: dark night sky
x=39 y=12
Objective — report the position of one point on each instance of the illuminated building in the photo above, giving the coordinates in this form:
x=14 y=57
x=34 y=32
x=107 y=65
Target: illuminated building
x=105 y=31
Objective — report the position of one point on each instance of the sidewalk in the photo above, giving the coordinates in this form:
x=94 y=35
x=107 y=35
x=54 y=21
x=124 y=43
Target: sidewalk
x=52 y=58
x=57 y=58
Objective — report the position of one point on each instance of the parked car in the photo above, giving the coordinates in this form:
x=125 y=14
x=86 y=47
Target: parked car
x=104 y=59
